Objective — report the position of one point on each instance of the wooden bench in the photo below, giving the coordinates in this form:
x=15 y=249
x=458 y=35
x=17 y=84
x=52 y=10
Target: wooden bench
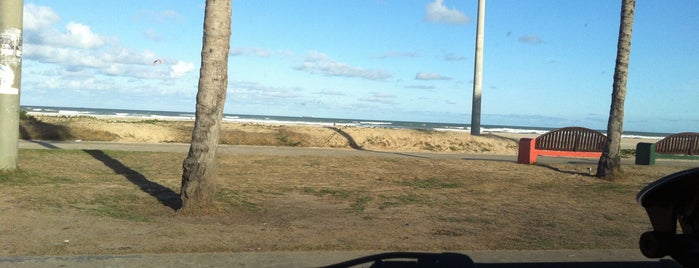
x=566 y=142
x=677 y=146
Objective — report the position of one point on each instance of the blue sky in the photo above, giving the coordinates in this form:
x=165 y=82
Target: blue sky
x=546 y=63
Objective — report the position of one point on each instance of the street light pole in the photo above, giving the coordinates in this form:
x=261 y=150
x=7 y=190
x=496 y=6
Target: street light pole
x=478 y=72
x=10 y=80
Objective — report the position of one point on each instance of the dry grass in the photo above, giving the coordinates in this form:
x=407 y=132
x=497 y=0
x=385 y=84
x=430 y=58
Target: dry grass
x=122 y=202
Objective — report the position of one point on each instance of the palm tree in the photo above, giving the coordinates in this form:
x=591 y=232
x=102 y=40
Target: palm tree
x=199 y=177
x=609 y=165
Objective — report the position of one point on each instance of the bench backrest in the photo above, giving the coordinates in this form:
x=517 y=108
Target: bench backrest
x=686 y=143
x=575 y=139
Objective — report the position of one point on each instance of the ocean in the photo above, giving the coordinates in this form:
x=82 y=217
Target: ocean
x=291 y=120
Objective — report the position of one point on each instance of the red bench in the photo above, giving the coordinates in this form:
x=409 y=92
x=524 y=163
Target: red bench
x=566 y=142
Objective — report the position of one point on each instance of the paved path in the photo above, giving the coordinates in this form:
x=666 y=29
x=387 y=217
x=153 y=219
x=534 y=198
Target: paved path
x=292 y=151
x=567 y=258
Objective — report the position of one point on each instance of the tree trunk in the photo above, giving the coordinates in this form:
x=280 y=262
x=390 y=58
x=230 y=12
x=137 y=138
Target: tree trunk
x=609 y=166
x=199 y=184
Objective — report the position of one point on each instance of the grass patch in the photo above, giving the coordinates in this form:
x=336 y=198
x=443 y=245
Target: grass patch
x=307 y=200
x=15 y=177
x=430 y=183
x=124 y=207
x=627 y=153
x=236 y=199
x=326 y=192
x=360 y=203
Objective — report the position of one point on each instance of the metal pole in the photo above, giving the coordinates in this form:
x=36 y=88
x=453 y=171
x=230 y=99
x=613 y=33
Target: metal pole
x=478 y=72
x=10 y=80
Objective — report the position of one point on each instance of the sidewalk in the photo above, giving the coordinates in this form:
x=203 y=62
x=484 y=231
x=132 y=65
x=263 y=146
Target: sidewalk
x=568 y=258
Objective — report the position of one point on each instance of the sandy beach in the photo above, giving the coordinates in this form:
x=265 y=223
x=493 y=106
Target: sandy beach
x=241 y=133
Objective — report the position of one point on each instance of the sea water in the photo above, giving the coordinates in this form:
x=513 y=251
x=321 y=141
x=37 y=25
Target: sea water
x=311 y=121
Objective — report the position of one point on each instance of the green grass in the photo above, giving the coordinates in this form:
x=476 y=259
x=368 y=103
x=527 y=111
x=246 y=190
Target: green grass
x=236 y=199
x=360 y=204
x=15 y=177
x=123 y=206
x=337 y=193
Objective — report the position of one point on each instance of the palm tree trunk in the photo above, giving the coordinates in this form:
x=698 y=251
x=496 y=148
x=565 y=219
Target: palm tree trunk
x=199 y=168
x=609 y=166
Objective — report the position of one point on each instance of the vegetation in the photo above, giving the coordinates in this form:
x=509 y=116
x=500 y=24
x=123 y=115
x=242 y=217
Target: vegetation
x=454 y=203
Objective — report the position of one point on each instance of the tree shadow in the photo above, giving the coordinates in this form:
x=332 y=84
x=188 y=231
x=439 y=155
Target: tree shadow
x=32 y=129
x=586 y=174
x=165 y=195
x=45 y=144
x=353 y=144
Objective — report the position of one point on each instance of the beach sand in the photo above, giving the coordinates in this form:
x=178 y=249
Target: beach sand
x=236 y=133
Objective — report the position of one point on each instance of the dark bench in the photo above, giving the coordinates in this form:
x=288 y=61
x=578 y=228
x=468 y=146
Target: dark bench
x=677 y=146
x=567 y=142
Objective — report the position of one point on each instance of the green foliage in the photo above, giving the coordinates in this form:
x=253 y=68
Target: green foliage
x=627 y=153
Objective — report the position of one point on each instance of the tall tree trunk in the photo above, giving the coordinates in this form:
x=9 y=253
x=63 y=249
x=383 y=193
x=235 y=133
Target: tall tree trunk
x=199 y=184
x=609 y=166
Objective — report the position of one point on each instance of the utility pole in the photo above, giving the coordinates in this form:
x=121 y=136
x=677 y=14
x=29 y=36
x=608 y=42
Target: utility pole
x=10 y=80
x=478 y=72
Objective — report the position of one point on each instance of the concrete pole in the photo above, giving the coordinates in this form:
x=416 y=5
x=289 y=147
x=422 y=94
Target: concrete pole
x=10 y=80
x=478 y=72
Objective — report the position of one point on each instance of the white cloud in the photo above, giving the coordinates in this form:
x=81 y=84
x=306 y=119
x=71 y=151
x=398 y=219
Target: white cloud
x=531 y=39
x=78 y=49
x=181 y=69
x=38 y=17
x=453 y=57
x=319 y=63
x=250 y=51
x=80 y=36
x=379 y=98
x=331 y=92
x=430 y=76
x=160 y=16
x=437 y=12
x=420 y=87
x=153 y=35
x=395 y=54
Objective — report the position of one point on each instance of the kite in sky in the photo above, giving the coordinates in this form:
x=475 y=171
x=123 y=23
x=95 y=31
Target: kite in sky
x=157 y=61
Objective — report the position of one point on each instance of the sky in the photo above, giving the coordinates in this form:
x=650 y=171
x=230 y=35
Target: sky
x=547 y=63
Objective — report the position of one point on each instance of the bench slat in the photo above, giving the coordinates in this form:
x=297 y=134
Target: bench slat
x=686 y=143
x=576 y=139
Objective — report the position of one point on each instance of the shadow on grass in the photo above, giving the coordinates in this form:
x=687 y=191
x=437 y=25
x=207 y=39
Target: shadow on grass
x=45 y=144
x=37 y=130
x=166 y=196
x=353 y=144
x=585 y=174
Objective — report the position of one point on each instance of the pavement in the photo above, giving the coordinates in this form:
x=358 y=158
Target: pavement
x=499 y=258
x=544 y=258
